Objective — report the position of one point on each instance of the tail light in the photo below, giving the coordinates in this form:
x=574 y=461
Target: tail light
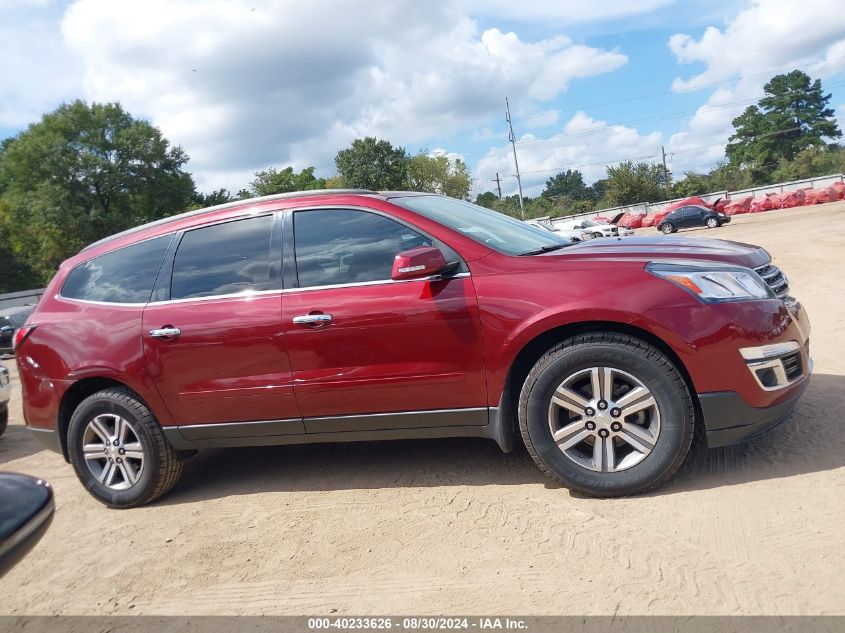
x=23 y=333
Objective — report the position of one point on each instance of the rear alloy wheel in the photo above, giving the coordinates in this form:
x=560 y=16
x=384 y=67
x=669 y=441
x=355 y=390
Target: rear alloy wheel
x=712 y=223
x=118 y=450
x=667 y=228
x=606 y=414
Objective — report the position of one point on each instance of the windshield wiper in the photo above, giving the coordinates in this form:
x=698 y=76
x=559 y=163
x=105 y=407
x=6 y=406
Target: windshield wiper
x=545 y=249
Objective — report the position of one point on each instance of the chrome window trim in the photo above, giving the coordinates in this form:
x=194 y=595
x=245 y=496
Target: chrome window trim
x=249 y=294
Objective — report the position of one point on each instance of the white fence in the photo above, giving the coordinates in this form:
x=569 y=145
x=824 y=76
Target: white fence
x=644 y=208
x=21 y=298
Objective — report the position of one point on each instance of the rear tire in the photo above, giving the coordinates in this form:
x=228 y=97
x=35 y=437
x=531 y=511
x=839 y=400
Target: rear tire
x=663 y=431
x=4 y=419
x=118 y=450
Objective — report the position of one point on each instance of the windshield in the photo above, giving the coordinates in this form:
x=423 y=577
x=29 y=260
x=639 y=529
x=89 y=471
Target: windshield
x=499 y=232
x=587 y=223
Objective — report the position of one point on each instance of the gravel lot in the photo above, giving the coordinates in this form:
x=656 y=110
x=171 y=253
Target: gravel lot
x=455 y=526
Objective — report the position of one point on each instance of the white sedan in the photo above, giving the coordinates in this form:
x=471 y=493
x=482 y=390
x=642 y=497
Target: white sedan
x=596 y=229
x=575 y=235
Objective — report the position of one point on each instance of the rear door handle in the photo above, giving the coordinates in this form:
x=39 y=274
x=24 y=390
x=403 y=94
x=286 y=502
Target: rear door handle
x=165 y=332
x=311 y=319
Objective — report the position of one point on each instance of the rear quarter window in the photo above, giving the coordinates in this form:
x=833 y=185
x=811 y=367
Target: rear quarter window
x=126 y=275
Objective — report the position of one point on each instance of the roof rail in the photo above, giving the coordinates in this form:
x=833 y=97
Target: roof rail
x=226 y=205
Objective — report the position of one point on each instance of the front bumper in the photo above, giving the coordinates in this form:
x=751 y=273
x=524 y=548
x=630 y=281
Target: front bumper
x=729 y=419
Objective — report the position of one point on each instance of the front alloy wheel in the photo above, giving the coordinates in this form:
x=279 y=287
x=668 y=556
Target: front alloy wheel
x=606 y=414
x=712 y=223
x=667 y=228
x=611 y=428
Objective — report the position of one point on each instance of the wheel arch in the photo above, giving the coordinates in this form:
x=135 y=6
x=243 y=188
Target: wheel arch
x=75 y=394
x=533 y=350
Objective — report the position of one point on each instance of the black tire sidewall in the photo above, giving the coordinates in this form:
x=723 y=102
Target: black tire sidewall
x=4 y=418
x=131 y=411
x=675 y=425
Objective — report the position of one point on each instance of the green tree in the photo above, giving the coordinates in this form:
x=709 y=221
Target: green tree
x=218 y=196
x=16 y=274
x=369 y=163
x=630 y=182
x=569 y=184
x=439 y=174
x=82 y=173
x=793 y=114
x=272 y=180
x=487 y=199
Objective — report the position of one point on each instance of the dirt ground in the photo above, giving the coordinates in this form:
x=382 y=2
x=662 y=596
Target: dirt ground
x=455 y=526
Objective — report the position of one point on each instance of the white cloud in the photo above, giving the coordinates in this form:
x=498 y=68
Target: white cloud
x=561 y=12
x=764 y=39
x=767 y=36
x=245 y=84
x=583 y=143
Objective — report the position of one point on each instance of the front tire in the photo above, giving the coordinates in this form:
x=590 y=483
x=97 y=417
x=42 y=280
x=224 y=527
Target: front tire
x=667 y=229
x=4 y=419
x=712 y=223
x=597 y=235
x=118 y=450
x=607 y=415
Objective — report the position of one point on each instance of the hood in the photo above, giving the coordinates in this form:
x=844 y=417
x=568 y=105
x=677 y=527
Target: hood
x=670 y=248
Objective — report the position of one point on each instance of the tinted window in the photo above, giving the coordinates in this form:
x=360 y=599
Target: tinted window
x=126 y=275
x=223 y=259
x=493 y=229
x=341 y=246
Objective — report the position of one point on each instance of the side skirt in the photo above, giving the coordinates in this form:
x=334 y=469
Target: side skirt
x=482 y=422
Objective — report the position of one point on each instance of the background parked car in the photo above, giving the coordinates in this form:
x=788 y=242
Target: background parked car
x=10 y=320
x=5 y=395
x=575 y=235
x=598 y=229
x=690 y=217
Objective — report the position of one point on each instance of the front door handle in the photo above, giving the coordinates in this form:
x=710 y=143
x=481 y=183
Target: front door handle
x=165 y=332
x=312 y=319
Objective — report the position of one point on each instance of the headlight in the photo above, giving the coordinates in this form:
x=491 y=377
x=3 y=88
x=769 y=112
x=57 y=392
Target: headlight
x=715 y=284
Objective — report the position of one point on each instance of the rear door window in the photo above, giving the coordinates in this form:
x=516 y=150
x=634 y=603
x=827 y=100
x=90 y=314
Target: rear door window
x=223 y=259
x=126 y=275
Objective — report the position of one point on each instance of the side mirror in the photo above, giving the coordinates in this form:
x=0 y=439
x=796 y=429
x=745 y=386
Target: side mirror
x=418 y=262
x=26 y=510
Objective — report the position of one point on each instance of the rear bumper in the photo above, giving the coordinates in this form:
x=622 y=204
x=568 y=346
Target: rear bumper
x=729 y=419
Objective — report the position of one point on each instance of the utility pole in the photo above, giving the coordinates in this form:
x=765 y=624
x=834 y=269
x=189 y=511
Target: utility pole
x=665 y=170
x=512 y=139
x=498 y=182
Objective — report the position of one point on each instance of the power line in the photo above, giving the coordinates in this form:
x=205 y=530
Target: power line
x=671 y=92
x=673 y=115
x=638 y=158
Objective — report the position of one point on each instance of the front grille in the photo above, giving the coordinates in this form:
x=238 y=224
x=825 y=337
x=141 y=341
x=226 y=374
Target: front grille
x=792 y=366
x=777 y=281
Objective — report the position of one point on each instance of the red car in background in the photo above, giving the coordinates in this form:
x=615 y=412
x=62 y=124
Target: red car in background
x=353 y=315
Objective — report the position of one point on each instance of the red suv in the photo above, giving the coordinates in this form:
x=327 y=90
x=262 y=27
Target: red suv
x=340 y=316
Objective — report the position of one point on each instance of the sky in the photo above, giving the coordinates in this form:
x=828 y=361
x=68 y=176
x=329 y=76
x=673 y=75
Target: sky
x=243 y=85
